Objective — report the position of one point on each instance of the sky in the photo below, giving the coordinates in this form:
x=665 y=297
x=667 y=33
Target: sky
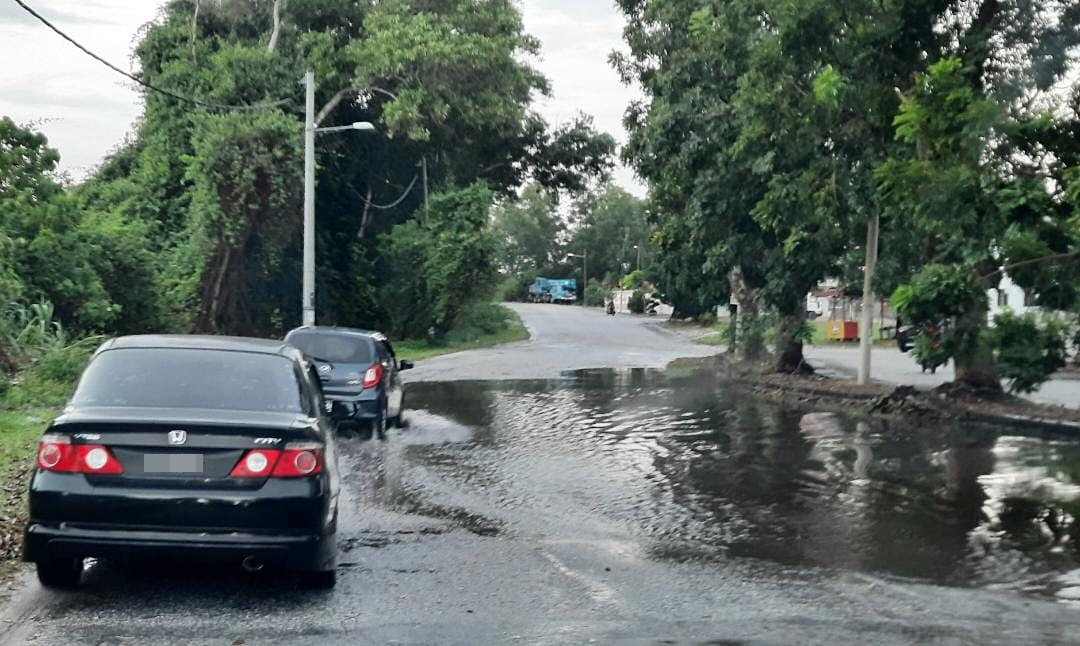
x=87 y=110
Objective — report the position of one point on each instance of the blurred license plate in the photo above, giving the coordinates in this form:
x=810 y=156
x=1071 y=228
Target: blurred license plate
x=173 y=463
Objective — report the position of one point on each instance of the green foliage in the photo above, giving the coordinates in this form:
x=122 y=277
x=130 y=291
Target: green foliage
x=636 y=303
x=478 y=320
x=1028 y=351
x=633 y=280
x=514 y=288
x=595 y=294
x=939 y=293
x=612 y=228
x=445 y=262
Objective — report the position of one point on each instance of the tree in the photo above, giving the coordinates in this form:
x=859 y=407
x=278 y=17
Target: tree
x=451 y=262
x=446 y=81
x=611 y=228
x=45 y=253
x=529 y=231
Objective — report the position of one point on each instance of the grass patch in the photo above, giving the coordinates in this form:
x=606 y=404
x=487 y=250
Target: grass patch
x=471 y=338
x=19 y=434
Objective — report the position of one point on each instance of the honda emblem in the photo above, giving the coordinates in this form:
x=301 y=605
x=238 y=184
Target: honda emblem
x=177 y=437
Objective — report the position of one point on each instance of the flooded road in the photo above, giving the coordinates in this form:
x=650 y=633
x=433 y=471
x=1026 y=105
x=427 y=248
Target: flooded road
x=694 y=470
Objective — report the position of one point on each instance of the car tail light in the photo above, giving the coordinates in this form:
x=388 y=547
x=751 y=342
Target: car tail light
x=299 y=461
x=57 y=453
x=256 y=464
x=373 y=376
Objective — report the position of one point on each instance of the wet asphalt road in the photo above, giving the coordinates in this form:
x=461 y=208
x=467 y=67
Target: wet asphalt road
x=625 y=506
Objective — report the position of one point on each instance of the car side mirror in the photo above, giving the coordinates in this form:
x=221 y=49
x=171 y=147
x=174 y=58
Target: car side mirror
x=406 y=365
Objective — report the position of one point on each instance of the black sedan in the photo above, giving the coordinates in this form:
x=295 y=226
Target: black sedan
x=210 y=448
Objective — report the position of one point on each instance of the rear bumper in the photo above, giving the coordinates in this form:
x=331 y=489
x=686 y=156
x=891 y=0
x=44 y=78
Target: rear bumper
x=365 y=407
x=301 y=552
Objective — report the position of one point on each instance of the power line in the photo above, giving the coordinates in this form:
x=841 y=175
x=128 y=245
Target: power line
x=170 y=93
x=387 y=207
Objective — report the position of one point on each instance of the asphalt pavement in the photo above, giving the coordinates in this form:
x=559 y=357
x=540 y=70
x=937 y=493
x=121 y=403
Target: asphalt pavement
x=543 y=512
x=889 y=365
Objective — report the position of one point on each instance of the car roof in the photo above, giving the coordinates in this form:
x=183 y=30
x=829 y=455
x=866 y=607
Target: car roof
x=203 y=342
x=343 y=331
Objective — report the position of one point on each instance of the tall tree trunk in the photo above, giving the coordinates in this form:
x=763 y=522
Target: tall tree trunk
x=976 y=365
x=750 y=339
x=194 y=30
x=277 y=26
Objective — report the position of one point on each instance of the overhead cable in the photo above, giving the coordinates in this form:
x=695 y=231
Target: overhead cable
x=206 y=104
x=386 y=207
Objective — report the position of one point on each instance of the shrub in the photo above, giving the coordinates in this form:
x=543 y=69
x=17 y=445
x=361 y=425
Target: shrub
x=633 y=280
x=595 y=294
x=706 y=319
x=514 y=288
x=479 y=319
x=637 y=302
x=1028 y=352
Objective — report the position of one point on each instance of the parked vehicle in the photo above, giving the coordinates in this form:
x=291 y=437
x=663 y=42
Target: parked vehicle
x=548 y=290
x=204 y=447
x=904 y=334
x=361 y=375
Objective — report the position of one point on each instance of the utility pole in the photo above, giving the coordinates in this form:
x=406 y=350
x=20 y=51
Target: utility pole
x=584 y=276
x=309 y=199
x=423 y=174
x=866 y=335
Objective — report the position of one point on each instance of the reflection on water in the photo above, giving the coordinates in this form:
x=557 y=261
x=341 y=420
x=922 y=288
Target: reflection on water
x=693 y=468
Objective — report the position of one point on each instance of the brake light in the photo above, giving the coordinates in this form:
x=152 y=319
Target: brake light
x=256 y=464
x=296 y=461
x=299 y=461
x=373 y=376
x=57 y=453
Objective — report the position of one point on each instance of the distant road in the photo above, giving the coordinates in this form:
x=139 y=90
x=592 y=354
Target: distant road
x=565 y=337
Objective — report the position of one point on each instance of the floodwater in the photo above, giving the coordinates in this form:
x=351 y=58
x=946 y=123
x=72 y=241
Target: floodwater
x=694 y=469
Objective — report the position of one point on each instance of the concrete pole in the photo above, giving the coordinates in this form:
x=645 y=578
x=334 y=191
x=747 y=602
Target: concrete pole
x=584 y=275
x=309 y=200
x=866 y=327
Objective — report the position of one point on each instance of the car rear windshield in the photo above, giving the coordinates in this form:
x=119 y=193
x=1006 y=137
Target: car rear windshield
x=187 y=378
x=335 y=348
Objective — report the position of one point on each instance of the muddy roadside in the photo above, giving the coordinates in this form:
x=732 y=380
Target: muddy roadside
x=946 y=402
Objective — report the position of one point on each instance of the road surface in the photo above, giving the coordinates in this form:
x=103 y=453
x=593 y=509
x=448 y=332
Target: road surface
x=566 y=338
x=610 y=507
x=889 y=365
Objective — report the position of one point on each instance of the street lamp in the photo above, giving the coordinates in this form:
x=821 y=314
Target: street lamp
x=637 y=248
x=584 y=272
x=308 y=296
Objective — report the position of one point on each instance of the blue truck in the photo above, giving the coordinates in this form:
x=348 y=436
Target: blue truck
x=553 y=290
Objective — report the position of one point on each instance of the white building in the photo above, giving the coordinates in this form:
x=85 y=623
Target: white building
x=1011 y=296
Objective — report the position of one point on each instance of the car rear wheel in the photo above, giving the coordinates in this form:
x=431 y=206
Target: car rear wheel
x=378 y=427
x=59 y=572
x=398 y=421
x=319 y=580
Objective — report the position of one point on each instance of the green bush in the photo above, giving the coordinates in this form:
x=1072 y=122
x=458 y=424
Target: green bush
x=477 y=320
x=65 y=364
x=1028 y=351
x=514 y=288
x=637 y=302
x=633 y=280
x=706 y=319
x=595 y=294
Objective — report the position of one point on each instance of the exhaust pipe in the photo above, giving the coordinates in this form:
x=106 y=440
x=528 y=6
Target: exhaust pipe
x=252 y=564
